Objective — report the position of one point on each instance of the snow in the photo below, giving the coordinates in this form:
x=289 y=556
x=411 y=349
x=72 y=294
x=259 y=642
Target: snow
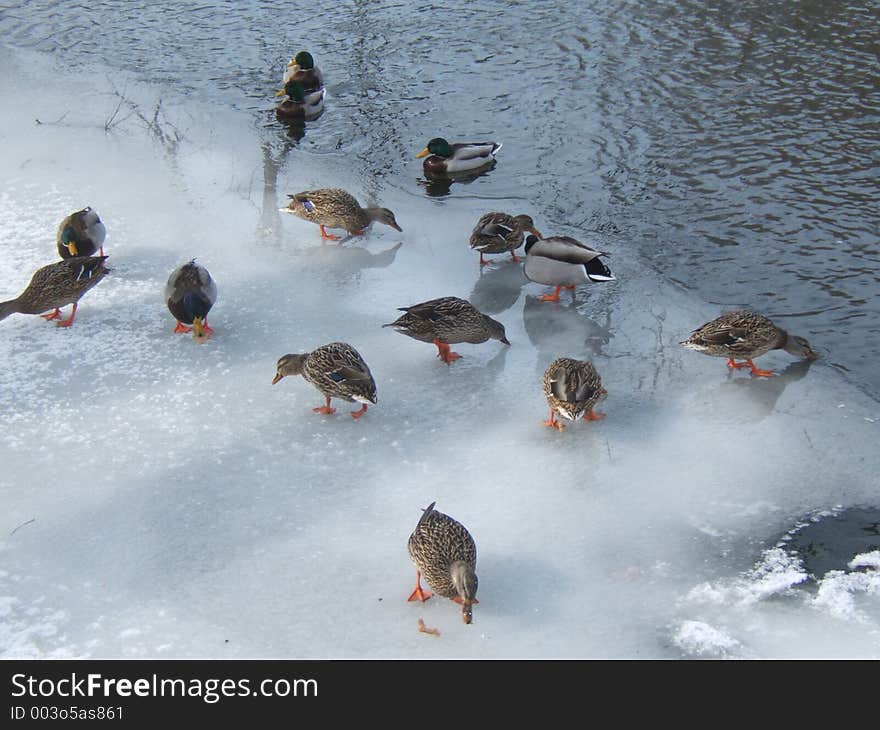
x=182 y=506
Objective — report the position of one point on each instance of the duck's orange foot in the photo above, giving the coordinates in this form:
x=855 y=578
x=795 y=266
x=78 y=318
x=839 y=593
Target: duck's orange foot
x=483 y=261
x=554 y=297
x=757 y=371
x=731 y=363
x=328 y=236
x=459 y=601
x=52 y=315
x=515 y=258
x=593 y=416
x=69 y=321
x=554 y=423
x=361 y=232
x=324 y=410
x=181 y=328
x=207 y=330
x=419 y=595
x=445 y=354
x=359 y=413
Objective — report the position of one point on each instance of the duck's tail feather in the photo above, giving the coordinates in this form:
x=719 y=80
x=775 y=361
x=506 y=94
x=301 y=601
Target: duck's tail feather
x=7 y=308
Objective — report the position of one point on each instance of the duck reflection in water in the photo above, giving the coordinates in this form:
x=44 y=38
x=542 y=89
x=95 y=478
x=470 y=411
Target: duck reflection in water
x=438 y=186
x=347 y=259
x=498 y=289
x=563 y=330
x=754 y=398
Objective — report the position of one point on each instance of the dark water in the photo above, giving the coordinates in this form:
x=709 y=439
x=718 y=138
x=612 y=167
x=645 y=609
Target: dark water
x=830 y=542
x=734 y=145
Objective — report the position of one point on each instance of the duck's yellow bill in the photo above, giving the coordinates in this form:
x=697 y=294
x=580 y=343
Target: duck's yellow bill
x=424 y=153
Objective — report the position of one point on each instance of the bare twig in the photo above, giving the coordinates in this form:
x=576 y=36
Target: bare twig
x=57 y=121
x=809 y=440
x=32 y=519
x=109 y=124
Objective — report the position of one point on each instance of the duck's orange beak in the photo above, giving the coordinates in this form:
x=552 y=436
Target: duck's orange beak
x=537 y=233
x=277 y=377
x=424 y=153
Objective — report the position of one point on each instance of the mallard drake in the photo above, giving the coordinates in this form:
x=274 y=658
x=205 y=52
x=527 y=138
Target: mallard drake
x=563 y=262
x=500 y=233
x=81 y=234
x=446 y=554
x=459 y=157
x=336 y=208
x=745 y=334
x=446 y=321
x=297 y=105
x=57 y=285
x=573 y=388
x=190 y=293
x=337 y=370
x=302 y=68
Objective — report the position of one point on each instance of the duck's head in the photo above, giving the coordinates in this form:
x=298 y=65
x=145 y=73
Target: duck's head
x=437 y=146
x=465 y=581
x=68 y=241
x=383 y=215
x=799 y=347
x=526 y=223
x=289 y=365
x=295 y=91
x=304 y=60
x=197 y=307
x=496 y=330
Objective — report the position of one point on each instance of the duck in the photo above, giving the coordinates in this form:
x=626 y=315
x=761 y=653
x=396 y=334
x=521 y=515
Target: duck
x=446 y=321
x=442 y=158
x=335 y=369
x=299 y=106
x=500 y=233
x=190 y=293
x=563 y=262
x=302 y=68
x=81 y=234
x=746 y=334
x=57 y=285
x=572 y=388
x=446 y=555
x=337 y=208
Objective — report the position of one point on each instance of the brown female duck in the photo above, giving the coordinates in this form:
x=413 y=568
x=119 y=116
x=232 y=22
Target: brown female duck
x=336 y=208
x=745 y=334
x=446 y=554
x=572 y=388
x=337 y=370
x=445 y=321
x=500 y=233
x=57 y=285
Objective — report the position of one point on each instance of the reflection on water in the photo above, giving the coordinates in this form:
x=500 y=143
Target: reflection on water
x=560 y=330
x=706 y=134
x=347 y=259
x=754 y=398
x=498 y=287
x=438 y=186
x=746 y=399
